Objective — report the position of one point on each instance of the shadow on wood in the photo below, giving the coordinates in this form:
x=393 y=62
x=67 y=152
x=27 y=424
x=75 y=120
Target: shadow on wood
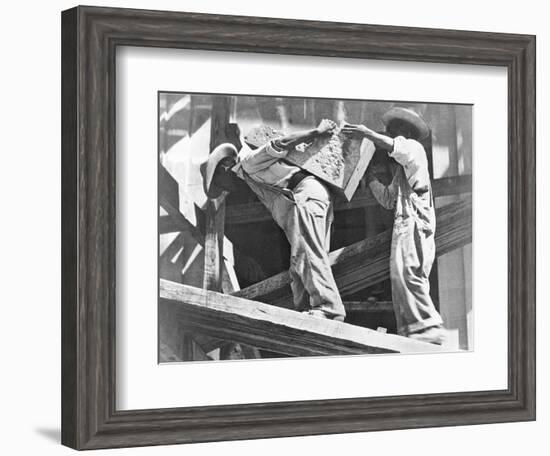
x=272 y=328
x=367 y=262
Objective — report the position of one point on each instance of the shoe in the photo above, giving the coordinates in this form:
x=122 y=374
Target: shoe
x=322 y=314
x=434 y=335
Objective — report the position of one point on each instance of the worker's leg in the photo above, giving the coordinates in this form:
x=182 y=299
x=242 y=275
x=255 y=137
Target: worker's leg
x=308 y=232
x=283 y=210
x=329 y=220
x=300 y=296
x=411 y=261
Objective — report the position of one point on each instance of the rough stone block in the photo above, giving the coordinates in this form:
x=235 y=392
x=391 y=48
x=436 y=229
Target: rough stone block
x=339 y=160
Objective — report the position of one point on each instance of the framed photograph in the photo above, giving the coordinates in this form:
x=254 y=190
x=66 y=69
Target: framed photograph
x=279 y=228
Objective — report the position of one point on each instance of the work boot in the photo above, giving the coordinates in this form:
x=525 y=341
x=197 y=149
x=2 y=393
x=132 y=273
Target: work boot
x=433 y=335
x=322 y=314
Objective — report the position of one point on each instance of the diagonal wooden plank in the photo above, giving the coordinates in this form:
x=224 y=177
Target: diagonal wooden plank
x=366 y=262
x=276 y=329
x=178 y=222
x=167 y=225
x=256 y=212
x=169 y=200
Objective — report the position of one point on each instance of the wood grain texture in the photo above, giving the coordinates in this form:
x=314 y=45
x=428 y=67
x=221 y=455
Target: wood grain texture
x=215 y=213
x=213 y=246
x=89 y=40
x=69 y=231
x=367 y=262
x=275 y=329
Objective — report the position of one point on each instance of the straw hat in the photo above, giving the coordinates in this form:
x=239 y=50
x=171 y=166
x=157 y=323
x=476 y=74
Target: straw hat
x=409 y=116
x=208 y=168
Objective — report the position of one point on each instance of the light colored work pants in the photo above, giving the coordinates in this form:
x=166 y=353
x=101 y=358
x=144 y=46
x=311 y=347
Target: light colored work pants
x=306 y=218
x=411 y=260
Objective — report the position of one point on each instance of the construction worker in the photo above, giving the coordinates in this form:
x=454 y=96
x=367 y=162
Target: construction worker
x=410 y=196
x=299 y=203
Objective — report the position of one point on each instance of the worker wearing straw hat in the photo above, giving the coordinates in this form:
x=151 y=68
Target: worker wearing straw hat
x=410 y=196
x=298 y=202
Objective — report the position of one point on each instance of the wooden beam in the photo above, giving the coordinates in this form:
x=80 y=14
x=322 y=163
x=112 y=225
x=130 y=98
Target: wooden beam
x=175 y=221
x=366 y=262
x=230 y=283
x=168 y=188
x=169 y=200
x=192 y=351
x=219 y=120
x=256 y=212
x=172 y=249
x=368 y=306
x=213 y=246
x=168 y=225
x=177 y=257
x=215 y=210
x=191 y=238
x=178 y=221
x=215 y=217
x=280 y=330
x=167 y=354
x=207 y=343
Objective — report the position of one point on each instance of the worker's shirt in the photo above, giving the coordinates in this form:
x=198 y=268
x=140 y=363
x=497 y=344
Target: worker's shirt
x=411 y=155
x=409 y=192
x=265 y=165
x=268 y=175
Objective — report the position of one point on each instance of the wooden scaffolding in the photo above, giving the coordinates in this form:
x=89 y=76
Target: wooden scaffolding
x=216 y=315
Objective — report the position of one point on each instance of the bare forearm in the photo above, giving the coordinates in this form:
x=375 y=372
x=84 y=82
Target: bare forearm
x=383 y=141
x=291 y=140
x=299 y=137
x=380 y=140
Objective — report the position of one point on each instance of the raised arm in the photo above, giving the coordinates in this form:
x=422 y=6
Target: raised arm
x=291 y=140
x=407 y=152
x=254 y=160
x=379 y=139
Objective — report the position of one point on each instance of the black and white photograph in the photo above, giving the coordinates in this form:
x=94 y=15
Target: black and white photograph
x=275 y=228
x=300 y=227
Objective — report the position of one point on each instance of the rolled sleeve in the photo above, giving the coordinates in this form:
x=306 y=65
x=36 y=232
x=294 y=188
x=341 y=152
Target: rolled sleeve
x=253 y=161
x=274 y=149
x=407 y=152
x=411 y=155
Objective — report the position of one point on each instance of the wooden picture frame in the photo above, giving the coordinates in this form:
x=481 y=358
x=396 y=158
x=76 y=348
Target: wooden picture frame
x=90 y=37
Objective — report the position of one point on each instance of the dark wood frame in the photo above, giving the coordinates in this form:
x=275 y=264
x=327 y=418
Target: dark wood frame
x=89 y=39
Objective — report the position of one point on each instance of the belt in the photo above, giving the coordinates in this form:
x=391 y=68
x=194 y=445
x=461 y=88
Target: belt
x=296 y=179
